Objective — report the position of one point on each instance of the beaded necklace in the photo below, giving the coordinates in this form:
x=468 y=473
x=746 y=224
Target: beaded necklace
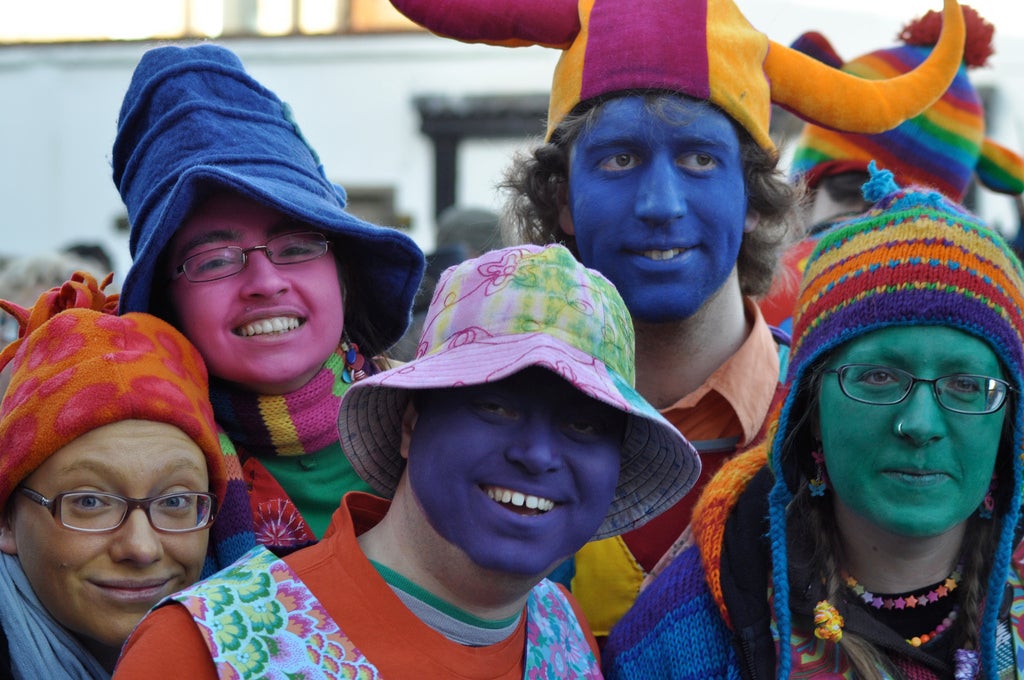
x=904 y=601
x=919 y=640
x=911 y=601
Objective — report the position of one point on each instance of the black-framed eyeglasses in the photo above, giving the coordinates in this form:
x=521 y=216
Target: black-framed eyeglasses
x=96 y=511
x=885 y=385
x=225 y=261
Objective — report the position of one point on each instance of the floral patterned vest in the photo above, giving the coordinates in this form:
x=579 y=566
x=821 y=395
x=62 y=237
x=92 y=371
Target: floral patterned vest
x=258 y=618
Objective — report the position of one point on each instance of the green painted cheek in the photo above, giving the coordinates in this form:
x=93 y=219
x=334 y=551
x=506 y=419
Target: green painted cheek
x=909 y=488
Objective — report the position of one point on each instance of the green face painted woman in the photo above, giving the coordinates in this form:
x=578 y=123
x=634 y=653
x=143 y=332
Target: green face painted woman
x=915 y=468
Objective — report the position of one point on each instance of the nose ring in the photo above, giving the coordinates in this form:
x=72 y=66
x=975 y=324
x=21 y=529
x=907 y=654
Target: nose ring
x=899 y=428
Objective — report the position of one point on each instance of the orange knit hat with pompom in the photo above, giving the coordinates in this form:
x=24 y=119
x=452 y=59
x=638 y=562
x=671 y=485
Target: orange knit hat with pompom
x=77 y=367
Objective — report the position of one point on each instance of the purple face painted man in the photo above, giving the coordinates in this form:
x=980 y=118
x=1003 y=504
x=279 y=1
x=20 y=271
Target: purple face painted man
x=515 y=436
x=517 y=473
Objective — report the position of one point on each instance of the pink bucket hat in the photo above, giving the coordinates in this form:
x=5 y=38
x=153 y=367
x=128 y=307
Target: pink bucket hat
x=505 y=311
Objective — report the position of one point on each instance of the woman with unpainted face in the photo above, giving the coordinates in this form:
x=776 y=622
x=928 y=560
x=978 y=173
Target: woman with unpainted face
x=110 y=474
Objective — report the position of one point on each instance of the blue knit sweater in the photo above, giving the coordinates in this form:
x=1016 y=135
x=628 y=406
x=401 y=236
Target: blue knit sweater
x=675 y=613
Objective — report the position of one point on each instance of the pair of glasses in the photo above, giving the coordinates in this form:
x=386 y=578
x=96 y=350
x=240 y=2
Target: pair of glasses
x=959 y=392
x=95 y=511
x=225 y=261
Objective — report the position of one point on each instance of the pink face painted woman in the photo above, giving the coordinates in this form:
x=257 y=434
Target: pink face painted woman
x=269 y=327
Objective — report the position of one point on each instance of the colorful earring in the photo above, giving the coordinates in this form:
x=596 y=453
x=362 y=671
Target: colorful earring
x=355 y=363
x=818 y=485
x=988 y=503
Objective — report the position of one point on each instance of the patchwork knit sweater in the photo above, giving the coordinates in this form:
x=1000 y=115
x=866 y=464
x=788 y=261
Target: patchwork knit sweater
x=709 y=615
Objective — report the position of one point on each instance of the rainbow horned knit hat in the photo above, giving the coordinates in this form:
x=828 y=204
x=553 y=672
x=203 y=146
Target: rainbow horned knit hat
x=914 y=259
x=77 y=366
x=704 y=49
x=944 y=147
x=193 y=122
x=505 y=311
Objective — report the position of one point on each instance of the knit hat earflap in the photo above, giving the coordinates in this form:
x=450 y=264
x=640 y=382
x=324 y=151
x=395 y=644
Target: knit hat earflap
x=704 y=49
x=77 y=367
x=944 y=147
x=914 y=259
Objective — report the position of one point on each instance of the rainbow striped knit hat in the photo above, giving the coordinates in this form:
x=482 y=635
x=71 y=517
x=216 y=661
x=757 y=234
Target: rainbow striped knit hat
x=914 y=259
x=943 y=148
x=703 y=49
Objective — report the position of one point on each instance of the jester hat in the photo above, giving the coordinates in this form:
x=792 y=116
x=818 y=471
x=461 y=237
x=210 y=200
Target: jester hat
x=704 y=49
x=944 y=147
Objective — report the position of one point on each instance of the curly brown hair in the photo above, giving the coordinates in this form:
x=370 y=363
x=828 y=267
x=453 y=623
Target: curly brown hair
x=537 y=180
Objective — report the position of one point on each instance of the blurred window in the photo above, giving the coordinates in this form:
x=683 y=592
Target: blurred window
x=49 y=21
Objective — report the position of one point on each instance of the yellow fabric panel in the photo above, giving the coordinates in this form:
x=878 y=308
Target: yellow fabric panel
x=606 y=583
x=568 y=79
x=735 y=70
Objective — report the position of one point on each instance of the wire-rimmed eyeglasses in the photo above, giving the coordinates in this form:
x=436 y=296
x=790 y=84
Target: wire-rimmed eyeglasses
x=958 y=392
x=97 y=511
x=225 y=261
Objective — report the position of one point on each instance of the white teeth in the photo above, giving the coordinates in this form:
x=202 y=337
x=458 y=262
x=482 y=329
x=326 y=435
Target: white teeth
x=662 y=254
x=277 y=324
x=518 y=499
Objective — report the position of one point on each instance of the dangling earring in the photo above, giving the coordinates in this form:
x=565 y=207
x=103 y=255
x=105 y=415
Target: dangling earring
x=988 y=503
x=354 y=362
x=819 y=484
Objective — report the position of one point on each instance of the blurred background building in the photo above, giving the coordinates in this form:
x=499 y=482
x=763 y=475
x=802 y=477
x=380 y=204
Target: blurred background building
x=409 y=123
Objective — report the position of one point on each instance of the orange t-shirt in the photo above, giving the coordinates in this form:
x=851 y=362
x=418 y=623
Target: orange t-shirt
x=168 y=643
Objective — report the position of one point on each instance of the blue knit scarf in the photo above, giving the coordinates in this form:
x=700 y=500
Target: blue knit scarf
x=39 y=646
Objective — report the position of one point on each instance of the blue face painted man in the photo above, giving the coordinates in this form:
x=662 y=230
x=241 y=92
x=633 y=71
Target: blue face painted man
x=657 y=203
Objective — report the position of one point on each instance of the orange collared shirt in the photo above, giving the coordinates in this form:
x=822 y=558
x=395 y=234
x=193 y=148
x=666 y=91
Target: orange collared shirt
x=731 y=406
x=723 y=415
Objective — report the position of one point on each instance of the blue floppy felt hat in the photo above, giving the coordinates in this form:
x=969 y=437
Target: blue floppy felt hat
x=193 y=122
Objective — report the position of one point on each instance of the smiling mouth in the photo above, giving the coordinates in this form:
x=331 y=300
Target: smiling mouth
x=130 y=591
x=517 y=501
x=659 y=255
x=277 y=325
x=916 y=477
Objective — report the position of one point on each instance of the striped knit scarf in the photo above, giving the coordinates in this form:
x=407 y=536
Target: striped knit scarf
x=293 y=424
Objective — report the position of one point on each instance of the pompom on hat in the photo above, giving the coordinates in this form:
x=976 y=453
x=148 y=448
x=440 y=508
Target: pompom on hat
x=944 y=147
x=704 y=49
x=914 y=259
x=77 y=366
x=194 y=122
x=505 y=311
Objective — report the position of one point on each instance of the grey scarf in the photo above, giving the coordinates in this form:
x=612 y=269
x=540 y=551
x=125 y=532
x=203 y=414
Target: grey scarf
x=39 y=646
